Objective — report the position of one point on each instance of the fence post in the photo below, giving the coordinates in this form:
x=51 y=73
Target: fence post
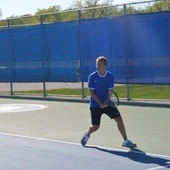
x=44 y=89
x=82 y=83
x=127 y=75
x=11 y=84
x=41 y=19
x=44 y=85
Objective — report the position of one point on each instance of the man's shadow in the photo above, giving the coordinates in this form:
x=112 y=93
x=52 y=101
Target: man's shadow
x=137 y=156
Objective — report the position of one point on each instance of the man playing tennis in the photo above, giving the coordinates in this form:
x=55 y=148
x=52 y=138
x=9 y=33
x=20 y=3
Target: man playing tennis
x=100 y=83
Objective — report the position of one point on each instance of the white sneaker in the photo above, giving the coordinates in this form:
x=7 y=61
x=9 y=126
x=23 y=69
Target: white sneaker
x=128 y=143
x=85 y=138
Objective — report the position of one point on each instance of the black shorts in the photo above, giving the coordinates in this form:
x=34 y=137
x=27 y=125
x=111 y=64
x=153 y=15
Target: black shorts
x=96 y=113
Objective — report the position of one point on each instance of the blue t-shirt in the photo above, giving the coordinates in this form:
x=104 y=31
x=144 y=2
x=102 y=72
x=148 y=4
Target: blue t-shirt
x=101 y=85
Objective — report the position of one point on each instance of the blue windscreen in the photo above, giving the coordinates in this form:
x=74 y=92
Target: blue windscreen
x=93 y=41
x=118 y=44
x=160 y=47
x=40 y=53
x=27 y=60
x=5 y=56
x=148 y=53
x=60 y=47
x=137 y=47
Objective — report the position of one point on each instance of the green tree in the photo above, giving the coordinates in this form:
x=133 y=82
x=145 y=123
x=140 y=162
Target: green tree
x=83 y=9
x=89 y=10
x=29 y=19
x=3 y=23
x=98 y=8
x=49 y=17
x=26 y=19
x=79 y=4
x=164 y=5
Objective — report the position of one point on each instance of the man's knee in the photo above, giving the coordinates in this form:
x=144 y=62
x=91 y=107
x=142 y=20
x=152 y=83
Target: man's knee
x=119 y=120
x=95 y=127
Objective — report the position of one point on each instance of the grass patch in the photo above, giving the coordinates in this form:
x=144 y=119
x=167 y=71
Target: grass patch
x=145 y=91
x=135 y=91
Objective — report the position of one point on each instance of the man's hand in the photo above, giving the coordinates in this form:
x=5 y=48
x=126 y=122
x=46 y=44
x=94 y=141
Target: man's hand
x=103 y=105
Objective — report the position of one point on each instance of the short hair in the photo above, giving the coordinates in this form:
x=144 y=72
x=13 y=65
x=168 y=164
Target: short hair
x=102 y=59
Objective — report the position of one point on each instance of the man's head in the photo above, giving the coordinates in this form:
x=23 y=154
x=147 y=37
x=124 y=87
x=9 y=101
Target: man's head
x=101 y=64
x=102 y=59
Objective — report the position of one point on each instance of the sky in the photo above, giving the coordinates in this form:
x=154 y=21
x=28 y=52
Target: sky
x=21 y=7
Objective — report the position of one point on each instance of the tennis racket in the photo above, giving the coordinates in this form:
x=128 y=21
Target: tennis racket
x=113 y=99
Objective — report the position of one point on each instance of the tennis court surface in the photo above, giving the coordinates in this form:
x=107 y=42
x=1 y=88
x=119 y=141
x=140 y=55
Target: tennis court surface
x=41 y=135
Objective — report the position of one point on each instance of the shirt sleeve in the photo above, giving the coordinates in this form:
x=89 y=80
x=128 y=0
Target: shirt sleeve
x=90 y=82
x=111 y=82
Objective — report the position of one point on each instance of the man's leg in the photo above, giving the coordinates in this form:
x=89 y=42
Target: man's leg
x=95 y=124
x=86 y=136
x=121 y=127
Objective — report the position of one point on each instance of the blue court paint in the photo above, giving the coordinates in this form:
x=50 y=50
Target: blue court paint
x=25 y=152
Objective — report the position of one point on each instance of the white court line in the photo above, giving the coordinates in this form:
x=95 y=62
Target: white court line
x=72 y=143
x=159 y=167
x=20 y=107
